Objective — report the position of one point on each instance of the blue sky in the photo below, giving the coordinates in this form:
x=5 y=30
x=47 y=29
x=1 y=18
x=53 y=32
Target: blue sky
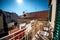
x=26 y=5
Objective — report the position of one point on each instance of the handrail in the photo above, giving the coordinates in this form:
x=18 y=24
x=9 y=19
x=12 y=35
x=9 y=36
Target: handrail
x=13 y=34
x=16 y=35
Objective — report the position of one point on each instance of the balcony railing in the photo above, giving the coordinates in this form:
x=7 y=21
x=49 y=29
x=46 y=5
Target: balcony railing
x=17 y=35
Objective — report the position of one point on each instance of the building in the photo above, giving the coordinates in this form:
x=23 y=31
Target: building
x=8 y=21
x=40 y=15
x=54 y=18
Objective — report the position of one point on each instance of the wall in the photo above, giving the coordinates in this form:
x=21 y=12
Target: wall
x=53 y=13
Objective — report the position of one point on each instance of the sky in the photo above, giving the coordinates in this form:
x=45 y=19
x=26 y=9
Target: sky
x=18 y=6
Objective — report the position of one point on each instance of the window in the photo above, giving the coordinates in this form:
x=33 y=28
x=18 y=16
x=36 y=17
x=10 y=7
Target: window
x=8 y=16
x=50 y=15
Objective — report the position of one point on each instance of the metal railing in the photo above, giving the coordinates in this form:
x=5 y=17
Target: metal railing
x=23 y=35
x=17 y=35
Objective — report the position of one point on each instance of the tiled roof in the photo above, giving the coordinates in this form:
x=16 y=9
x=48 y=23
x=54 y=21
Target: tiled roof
x=39 y=14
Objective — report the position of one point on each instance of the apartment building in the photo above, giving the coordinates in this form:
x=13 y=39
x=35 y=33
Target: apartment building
x=8 y=21
x=40 y=15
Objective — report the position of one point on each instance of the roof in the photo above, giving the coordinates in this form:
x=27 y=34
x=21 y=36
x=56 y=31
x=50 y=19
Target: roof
x=39 y=14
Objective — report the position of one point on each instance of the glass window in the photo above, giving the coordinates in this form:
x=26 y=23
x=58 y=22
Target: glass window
x=50 y=15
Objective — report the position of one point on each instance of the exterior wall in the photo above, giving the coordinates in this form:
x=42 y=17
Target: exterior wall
x=20 y=21
x=10 y=17
x=23 y=20
x=53 y=13
x=8 y=22
x=1 y=21
x=1 y=24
